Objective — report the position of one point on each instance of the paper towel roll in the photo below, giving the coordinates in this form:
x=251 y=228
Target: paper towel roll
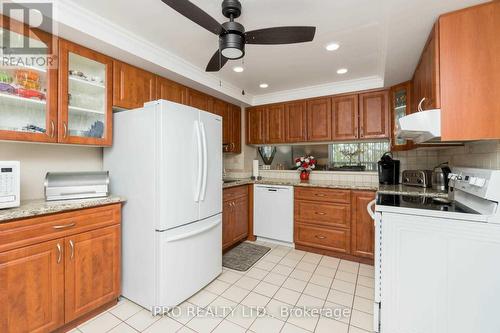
x=255 y=168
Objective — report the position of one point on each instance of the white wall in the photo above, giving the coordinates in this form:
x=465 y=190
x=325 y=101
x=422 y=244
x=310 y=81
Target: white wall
x=37 y=159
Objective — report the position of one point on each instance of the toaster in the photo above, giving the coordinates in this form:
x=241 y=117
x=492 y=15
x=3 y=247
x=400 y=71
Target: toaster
x=420 y=178
x=76 y=185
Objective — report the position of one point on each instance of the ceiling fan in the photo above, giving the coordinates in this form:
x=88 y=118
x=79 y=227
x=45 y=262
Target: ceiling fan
x=232 y=35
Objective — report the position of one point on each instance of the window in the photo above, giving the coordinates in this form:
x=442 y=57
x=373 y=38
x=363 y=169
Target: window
x=356 y=156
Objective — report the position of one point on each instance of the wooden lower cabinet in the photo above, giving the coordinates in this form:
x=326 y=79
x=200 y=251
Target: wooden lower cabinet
x=362 y=226
x=32 y=284
x=56 y=279
x=334 y=222
x=92 y=270
x=235 y=215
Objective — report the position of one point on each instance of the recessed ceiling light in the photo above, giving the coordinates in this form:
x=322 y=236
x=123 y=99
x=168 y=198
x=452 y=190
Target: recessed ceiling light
x=263 y=85
x=332 y=46
x=342 y=71
x=238 y=69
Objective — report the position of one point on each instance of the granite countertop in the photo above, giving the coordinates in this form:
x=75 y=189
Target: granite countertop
x=383 y=189
x=31 y=208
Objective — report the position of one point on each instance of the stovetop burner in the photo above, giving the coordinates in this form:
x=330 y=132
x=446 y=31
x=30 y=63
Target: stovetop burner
x=420 y=202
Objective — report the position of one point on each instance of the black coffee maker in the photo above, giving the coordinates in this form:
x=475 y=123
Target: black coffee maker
x=388 y=170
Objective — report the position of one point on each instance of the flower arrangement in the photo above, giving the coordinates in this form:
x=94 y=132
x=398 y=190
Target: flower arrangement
x=305 y=165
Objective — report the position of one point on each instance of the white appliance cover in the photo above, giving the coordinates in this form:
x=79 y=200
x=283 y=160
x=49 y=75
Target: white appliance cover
x=421 y=126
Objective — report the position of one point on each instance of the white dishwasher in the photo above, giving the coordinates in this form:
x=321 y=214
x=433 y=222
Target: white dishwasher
x=273 y=212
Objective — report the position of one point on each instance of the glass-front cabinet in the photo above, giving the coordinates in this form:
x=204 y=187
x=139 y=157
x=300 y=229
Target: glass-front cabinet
x=401 y=106
x=85 y=95
x=28 y=84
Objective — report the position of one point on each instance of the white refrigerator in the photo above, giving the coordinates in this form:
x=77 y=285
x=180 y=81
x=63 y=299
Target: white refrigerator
x=166 y=160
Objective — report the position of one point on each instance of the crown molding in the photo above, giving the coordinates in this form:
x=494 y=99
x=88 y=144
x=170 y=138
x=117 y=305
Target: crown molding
x=365 y=83
x=83 y=26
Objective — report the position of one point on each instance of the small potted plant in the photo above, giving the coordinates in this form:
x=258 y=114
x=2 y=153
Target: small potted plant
x=305 y=165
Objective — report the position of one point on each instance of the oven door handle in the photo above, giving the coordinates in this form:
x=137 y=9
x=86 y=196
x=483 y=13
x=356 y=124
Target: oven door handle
x=370 y=209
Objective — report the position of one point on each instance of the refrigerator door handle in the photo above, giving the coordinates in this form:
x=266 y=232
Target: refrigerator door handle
x=205 y=162
x=193 y=233
x=200 y=161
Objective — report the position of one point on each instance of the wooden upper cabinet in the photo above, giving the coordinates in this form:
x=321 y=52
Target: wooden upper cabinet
x=401 y=102
x=28 y=113
x=235 y=142
x=198 y=100
x=92 y=273
x=319 y=119
x=256 y=125
x=470 y=73
x=276 y=123
x=170 y=90
x=132 y=86
x=426 y=81
x=85 y=96
x=374 y=115
x=296 y=122
x=362 y=228
x=345 y=118
x=222 y=109
x=32 y=280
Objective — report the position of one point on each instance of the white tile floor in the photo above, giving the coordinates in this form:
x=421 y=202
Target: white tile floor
x=287 y=291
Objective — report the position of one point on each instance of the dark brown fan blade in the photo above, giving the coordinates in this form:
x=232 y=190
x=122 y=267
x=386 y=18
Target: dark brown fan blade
x=195 y=14
x=216 y=62
x=280 y=35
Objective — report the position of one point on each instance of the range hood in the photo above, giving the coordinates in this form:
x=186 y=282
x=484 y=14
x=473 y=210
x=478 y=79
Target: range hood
x=420 y=127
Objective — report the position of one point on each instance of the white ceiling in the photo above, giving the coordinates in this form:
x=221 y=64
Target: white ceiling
x=379 y=38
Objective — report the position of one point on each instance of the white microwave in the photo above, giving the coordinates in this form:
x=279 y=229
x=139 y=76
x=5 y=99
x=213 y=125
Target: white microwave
x=10 y=184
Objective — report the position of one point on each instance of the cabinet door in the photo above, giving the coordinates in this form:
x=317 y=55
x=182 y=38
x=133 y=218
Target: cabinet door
x=362 y=227
x=240 y=228
x=256 y=125
x=400 y=107
x=235 y=142
x=85 y=96
x=227 y=224
x=170 y=90
x=374 y=115
x=345 y=117
x=32 y=283
x=198 y=100
x=426 y=76
x=28 y=95
x=276 y=123
x=296 y=122
x=92 y=273
x=132 y=86
x=222 y=109
x=319 y=119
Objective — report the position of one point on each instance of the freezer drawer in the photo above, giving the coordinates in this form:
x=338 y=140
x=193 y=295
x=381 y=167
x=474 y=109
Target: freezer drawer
x=190 y=257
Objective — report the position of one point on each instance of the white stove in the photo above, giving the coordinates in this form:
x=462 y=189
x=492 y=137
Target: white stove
x=437 y=264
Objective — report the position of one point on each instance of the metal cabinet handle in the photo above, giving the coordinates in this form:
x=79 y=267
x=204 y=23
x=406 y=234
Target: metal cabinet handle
x=52 y=129
x=59 y=253
x=231 y=147
x=419 y=108
x=319 y=195
x=63 y=226
x=65 y=132
x=319 y=213
x=320 y=237
x=72 y=248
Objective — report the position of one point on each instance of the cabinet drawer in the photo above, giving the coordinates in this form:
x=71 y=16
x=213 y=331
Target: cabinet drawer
x=323 y=238
x=323 y=194
x=235 y=192
x=39 y=229
x=335 y=215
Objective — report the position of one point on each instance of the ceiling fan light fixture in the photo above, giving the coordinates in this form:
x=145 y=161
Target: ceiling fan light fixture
x=232 y=46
